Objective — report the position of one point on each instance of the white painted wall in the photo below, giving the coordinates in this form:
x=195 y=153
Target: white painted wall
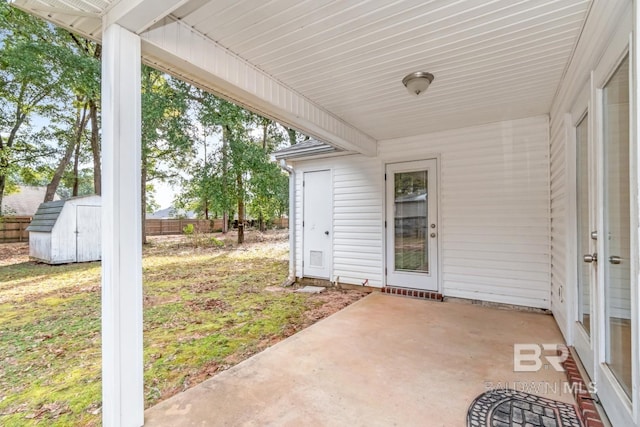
x=40 y=246
x=357 y=217
x=60 y=245
x=494 y=207
x=63 y=235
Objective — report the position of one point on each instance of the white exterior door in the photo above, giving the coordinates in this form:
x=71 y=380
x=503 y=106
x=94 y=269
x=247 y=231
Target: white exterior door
x=88 y=233
x=412 y=225
x=317 y=224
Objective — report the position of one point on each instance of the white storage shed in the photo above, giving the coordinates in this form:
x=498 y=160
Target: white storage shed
x=66 y=231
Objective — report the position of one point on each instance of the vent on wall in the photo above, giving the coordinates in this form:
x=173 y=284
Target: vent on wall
x=315 y=258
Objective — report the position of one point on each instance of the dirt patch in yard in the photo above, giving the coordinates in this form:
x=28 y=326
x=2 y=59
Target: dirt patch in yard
x=14 y=253
x=208 y=305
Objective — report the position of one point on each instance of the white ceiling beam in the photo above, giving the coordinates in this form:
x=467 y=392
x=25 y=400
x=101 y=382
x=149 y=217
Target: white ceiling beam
x=138 y=15
x=178 y=49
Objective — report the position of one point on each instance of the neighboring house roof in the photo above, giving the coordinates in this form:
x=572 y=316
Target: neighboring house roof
x=170 y=212
x=311 y=147
x=25 y=202
x=46 y=216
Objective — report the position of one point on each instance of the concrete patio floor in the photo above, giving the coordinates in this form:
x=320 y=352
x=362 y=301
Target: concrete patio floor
x=383 y=361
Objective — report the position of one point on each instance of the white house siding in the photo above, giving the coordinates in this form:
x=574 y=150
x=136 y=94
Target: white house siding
x=604 y=19
x=494 y=205
x=357 y=217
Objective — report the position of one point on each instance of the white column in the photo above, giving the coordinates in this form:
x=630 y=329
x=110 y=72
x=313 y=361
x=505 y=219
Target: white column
x=122 y=364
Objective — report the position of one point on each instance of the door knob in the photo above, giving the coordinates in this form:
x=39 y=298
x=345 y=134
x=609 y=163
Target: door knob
x=326 y=232
x=613 y=259
x=590 y=258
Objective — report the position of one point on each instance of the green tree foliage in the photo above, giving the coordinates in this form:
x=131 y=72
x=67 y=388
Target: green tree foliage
x=42 y=72
x=49 y=129
x=167 y=146
x=237 y=176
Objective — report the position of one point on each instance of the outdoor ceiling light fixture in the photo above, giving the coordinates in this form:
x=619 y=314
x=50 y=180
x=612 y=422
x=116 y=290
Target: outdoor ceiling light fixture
x=417 y=82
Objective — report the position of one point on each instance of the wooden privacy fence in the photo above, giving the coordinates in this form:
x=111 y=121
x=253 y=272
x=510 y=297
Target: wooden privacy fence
x=163 y=227
x=12 y=229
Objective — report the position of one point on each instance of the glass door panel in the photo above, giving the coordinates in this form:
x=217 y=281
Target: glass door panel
x=617 y=230
x=411 y=218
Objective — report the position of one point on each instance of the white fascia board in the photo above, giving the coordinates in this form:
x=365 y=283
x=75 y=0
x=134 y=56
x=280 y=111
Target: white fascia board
x=138 y=15
x=179 y=50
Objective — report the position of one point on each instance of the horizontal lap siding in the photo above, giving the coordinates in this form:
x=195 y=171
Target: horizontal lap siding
x=494 y=184
x=357 y=217
x=358 y=239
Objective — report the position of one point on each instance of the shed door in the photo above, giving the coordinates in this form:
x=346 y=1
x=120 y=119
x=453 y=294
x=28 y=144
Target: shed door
x=88 y=233
x=412 y=225
x=316 y=224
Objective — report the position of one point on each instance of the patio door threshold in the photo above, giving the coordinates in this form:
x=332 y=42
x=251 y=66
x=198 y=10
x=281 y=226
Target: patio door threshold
x=412 y=293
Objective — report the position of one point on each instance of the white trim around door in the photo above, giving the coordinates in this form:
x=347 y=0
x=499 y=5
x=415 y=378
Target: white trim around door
x=317 y=224
x=412 y=221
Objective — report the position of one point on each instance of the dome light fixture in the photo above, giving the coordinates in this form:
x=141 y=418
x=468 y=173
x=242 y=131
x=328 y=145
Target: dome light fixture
x=417 y=82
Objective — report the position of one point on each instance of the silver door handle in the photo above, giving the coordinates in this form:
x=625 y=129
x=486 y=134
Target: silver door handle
x=590 y=258
x=613 y=259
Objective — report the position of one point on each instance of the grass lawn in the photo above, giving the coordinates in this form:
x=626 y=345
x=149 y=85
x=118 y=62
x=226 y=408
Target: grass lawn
x=205 y=310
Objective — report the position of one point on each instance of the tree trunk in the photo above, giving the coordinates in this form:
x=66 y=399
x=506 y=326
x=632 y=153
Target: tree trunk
x=292 y=136
x=81 y=123
x=143 y=199
x=76 y=160
x=3 y=183
x=240 y=210
x=225 y=166
x=265 y=127
x=262 y=223
x=95 y=147
x=52 y=187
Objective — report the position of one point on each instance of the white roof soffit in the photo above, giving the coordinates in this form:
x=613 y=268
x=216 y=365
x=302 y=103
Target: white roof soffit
x=182 y=51
x=334 y=69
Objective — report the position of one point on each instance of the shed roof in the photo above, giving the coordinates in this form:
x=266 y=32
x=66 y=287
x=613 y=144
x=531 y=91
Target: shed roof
x=311 y=147
x=46 y=216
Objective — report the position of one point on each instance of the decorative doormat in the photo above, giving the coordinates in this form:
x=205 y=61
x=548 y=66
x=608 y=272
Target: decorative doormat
x=510 y=408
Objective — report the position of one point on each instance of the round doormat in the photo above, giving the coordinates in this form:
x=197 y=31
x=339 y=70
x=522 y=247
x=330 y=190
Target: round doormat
x=510 y=408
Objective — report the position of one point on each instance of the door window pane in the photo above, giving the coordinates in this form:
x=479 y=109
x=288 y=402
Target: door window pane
x=410 y=217
x=584 y=228
x=616 y=260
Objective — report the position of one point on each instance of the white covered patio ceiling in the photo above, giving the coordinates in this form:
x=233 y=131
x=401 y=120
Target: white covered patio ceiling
x=334 y=68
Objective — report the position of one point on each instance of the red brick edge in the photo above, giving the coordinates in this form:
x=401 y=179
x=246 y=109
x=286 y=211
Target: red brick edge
x=413 y=293
x=585 y=403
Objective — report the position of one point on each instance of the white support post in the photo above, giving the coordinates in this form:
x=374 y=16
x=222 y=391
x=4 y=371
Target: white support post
x=122 y=364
